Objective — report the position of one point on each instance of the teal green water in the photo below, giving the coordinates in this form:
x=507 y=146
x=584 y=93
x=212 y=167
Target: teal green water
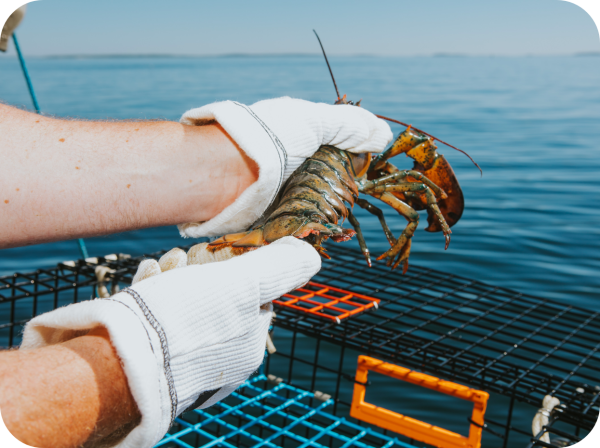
x=531 y=223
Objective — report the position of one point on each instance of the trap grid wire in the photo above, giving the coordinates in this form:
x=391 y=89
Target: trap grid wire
x=465 y=330
x=327 y=302
x=26 y=295
x=261 y=413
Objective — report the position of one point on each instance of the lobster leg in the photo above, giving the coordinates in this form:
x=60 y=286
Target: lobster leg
x=360 y=237
x=401 y=248
x=363 y=203
x=402 y=175
x=418 y=187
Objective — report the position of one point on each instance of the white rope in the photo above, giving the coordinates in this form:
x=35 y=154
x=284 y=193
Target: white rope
x=542 y=417
x=270 y=346
x=101 y=272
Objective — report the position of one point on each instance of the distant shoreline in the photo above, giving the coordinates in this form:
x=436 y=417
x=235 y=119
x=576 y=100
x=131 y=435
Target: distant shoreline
x=294 y=55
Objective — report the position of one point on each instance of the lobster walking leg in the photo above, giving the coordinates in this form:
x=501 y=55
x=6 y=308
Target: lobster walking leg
x=416 y=187
x=359 y=235
x=363 y=203
x=401 y=247
x=403 y=175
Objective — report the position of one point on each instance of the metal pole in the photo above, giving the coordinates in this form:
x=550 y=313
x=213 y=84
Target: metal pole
x=82 y=248
x=509 y=419
x=26 y=73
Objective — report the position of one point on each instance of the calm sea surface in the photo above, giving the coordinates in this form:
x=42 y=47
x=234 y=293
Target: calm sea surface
x=531 y=223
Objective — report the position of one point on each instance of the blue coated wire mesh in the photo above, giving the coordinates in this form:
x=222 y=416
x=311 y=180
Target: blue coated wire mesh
x=263 y=413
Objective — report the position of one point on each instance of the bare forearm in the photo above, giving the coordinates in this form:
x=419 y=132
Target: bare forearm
x=68 y=395
x=62 y=179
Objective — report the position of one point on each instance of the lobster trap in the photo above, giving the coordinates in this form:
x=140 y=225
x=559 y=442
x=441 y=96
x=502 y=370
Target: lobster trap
x=371 y=358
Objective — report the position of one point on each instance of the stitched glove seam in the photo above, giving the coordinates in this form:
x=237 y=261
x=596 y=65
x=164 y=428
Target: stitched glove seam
x=136 y=314
x=157 y=327
x=276 y=143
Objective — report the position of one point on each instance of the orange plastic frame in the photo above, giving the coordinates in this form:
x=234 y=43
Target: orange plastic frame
x=410 y=427
x=318 y=300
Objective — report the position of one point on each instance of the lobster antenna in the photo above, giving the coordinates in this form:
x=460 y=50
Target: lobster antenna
x=391 y=119
x=435 y=138
x=328 y=66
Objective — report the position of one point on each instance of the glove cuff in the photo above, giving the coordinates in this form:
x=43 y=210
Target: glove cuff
x=261 y=145
x=129 y=337
x=166 y=378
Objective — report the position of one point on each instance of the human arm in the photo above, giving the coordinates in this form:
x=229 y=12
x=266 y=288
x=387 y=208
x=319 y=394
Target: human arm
x=217 y=171
x=70 y=394
x=62 y=179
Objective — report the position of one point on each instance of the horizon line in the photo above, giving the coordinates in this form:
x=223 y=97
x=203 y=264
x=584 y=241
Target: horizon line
x=275 y=55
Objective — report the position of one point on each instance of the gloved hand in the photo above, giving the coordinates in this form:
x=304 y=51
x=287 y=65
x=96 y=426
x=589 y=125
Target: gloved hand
x=188 y=337
x=279 y=134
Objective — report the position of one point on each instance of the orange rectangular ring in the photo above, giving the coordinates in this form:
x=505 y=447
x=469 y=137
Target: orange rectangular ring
x=410 y=427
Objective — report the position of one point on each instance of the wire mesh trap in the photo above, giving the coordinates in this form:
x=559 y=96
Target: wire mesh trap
x=274 y=414
x=516 y=347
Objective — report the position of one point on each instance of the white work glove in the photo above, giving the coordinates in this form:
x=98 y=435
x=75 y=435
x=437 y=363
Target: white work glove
x=190 y=336
x=279 y=134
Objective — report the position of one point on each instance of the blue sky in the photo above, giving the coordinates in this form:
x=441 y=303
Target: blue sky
x=393 y=28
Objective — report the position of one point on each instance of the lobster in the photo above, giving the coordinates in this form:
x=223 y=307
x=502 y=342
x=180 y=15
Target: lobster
x=320 y=195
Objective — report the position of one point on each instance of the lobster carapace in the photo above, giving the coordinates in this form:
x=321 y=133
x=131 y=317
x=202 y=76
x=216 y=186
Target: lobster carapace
x=321 y=194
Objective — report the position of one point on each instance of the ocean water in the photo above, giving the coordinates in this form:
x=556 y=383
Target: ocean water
x=531 y=222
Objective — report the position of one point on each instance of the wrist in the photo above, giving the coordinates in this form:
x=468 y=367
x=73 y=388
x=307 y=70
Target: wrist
x=116 y=410
x=130 y=341
x=216 y=172
x=260 y=144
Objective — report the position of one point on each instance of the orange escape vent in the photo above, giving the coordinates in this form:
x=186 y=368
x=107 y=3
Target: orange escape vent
x=327 y=302
x=410 y=427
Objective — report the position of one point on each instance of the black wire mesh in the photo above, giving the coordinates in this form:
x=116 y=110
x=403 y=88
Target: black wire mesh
x=487 y=336
x=492 y=338
x=23 y=296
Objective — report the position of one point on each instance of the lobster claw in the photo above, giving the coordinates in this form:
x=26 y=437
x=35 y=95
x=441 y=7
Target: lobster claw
x=442 y=174
x=422 y=149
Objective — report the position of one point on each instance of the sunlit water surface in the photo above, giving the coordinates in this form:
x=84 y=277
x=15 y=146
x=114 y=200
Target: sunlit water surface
x=531 y=223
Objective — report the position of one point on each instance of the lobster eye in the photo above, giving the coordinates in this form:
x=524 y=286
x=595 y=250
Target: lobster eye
x=360 y=163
